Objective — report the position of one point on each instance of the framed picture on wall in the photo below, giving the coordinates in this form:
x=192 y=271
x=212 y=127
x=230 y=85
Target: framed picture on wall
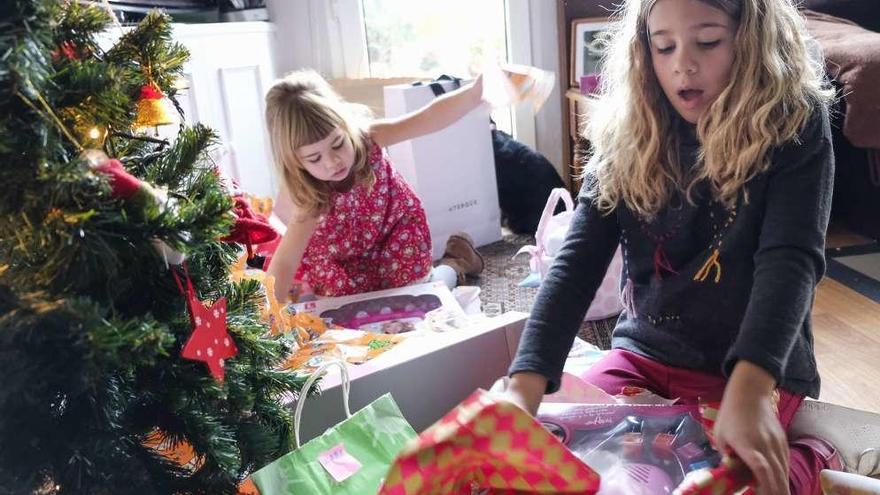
x=585 y=53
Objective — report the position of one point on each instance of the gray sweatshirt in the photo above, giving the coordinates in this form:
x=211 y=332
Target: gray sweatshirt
x=705 y=286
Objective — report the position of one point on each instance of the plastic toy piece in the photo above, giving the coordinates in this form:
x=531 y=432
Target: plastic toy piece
x=637 y=479
x=633 y=445
x=663 y=445
x=699 y=465
x=690 y=453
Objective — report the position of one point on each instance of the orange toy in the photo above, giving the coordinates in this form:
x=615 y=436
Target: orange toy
x=182 y=454
x=312 y=324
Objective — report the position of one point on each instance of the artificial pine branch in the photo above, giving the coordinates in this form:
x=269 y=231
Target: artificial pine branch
x=177 y=164
x=150 y=47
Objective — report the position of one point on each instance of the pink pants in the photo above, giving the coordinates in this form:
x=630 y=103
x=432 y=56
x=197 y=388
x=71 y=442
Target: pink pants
x=622 y=368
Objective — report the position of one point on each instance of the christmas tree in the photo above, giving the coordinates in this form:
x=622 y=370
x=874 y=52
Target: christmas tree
x=93 y=325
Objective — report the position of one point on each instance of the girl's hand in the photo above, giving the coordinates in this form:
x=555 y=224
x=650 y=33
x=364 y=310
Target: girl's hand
x=526 y=390
x=513 y=84
x=477 y=88
x=288 y=255
x=748 y=424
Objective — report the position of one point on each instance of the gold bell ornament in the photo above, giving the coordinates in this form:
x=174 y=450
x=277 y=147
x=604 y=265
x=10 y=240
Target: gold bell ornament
x=152 y=108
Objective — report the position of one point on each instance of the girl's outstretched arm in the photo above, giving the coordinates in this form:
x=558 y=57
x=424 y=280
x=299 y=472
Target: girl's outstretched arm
x=433 y=117
x=290 y=251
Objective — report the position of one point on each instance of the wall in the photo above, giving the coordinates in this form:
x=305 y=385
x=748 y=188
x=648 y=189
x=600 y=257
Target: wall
x=545 y=55
x=293 y=34
x=229 y=70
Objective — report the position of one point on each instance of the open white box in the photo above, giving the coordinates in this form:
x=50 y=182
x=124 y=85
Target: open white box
x=428 y=374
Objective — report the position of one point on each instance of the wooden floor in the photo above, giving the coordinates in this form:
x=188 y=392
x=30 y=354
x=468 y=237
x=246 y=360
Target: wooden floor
x=846 y=327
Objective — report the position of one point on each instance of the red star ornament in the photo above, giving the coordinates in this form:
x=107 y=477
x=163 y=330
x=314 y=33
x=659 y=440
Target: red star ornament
x=209 y=341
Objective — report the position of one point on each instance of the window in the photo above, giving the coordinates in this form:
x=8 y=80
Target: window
x=424 y=39
x=427 y=39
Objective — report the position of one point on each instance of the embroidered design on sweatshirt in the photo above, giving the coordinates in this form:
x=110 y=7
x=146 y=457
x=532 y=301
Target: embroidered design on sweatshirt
x=711 y=268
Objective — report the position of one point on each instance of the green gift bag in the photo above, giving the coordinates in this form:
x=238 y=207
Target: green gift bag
x=349 y=458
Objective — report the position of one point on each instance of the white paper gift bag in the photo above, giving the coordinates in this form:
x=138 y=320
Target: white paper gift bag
x=452 y=170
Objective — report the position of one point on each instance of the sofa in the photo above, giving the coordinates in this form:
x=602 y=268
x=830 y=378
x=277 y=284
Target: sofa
x=849 y=33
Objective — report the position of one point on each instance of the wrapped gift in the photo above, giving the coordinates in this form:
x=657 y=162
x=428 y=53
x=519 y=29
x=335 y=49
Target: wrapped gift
x=731 y=476
x=489 y=444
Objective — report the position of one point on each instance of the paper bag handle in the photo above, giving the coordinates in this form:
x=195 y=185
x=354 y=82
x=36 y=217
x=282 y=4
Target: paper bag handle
x=304 y=392
x=555 y=195
x=438 y=88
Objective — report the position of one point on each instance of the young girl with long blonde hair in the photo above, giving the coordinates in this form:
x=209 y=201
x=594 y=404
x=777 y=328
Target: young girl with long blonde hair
x=711 y=166
x=356 y=225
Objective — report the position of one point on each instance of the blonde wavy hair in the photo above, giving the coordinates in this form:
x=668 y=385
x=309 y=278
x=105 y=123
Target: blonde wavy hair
x=302 y=109
x=774 y=87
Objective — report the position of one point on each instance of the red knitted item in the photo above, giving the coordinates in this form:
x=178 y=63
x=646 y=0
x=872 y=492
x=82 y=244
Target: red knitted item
x=250 y=227
x=123 y=183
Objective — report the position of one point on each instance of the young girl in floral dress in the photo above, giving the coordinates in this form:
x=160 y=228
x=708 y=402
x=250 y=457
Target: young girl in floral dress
x=356 y=225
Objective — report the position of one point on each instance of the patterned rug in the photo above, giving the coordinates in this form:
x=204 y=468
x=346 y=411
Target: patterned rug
x=500 y=290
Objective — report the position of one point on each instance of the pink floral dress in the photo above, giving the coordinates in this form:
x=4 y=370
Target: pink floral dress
x=371 y=239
